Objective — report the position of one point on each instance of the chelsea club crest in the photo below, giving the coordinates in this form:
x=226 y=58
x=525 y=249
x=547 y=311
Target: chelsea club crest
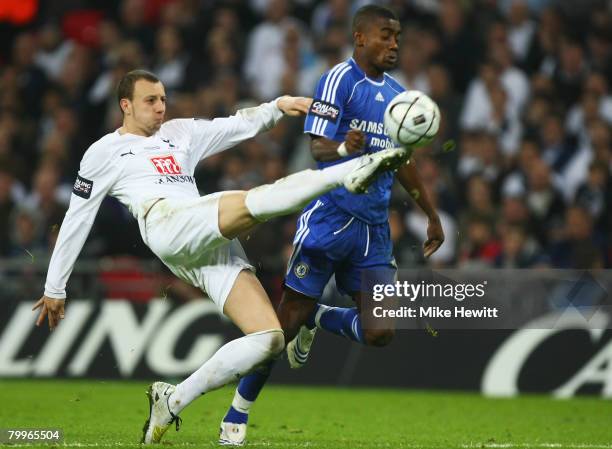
x=301 y=270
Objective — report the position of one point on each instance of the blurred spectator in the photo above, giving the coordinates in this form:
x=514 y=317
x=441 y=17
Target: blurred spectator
x=7 y=205
x=412 y=69
x=53 y=51
x=460 y=49
x=595 y=196
x=133 y=23
x=600 y=47
x=496 y=98
x=265 y=59
x=517 y=250
x=442 y=92
x=521 y=29
x=48 y=197
x=31 y=80
x=515 y=182
x=222 y=52
x=479 y=199
x=416 y=224
x=543 y=49
x=596 y=102
x=170 y=62
x=334 y=47
x=595 y=147
x=480 y=156
x=569 y=71
x=578 y=247
x=407 y=249
x=514 y=212
x=328 y=13
x=26 y=241
x=544 y=201
x=568 y=159
x=537 y=110
x=76 y=75
x=479 y=247
x=600 y=141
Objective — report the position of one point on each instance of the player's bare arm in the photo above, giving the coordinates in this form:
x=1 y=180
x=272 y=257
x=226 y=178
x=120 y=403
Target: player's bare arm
x=409 y=178
x=324 y=149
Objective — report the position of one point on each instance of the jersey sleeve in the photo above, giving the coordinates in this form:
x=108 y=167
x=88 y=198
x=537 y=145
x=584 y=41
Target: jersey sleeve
x=330 y=98
x=95 y=178
x=209 y=137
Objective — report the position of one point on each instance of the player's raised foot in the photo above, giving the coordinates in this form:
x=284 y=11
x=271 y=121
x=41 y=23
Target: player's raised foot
x=160 y=416
x=299 y=348
x=232 y=434
x=372 y=166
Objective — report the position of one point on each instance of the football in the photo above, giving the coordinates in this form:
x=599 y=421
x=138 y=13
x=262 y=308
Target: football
x=412 y=119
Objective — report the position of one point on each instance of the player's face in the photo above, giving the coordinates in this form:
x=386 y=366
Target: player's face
x=382 y=43
x=148 y=107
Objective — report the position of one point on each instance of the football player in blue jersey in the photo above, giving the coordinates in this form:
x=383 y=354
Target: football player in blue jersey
x=340 y=233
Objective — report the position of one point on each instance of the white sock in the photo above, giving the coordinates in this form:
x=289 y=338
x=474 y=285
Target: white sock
x=231 y=362
x=322 y=309
x=293 y=192
x=240 y=404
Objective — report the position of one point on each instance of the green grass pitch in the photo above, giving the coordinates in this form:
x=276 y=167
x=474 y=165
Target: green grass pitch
x=104 y=414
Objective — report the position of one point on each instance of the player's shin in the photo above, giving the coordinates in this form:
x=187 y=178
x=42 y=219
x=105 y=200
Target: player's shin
x=246 y=393
x=233 y=427
x=293 y=192
x=338 y=320
x=233 y=360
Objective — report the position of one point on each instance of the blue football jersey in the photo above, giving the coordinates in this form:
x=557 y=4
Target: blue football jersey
x=347 y=99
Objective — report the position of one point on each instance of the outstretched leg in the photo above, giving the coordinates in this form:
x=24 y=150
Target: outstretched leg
x=240 y=211
x=250 y=309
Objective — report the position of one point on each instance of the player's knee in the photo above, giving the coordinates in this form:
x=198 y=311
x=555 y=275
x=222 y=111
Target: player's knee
x=378 y=337
x=274 y=342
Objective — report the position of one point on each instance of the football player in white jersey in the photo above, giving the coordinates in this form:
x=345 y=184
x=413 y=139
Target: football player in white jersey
x=148 y=165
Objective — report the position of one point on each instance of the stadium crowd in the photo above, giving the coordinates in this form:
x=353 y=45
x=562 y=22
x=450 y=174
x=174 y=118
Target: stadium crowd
x=524 y=87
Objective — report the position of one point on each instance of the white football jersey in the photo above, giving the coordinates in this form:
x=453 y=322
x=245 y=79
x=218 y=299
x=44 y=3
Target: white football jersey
x=137 y=169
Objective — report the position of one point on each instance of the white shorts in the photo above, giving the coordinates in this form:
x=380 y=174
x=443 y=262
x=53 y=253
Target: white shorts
x=184 y=234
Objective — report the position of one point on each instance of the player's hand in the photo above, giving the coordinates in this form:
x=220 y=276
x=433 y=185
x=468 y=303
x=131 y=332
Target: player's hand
x=354 y=141
x=51 y=308
x=294 y=106
x=435 y=236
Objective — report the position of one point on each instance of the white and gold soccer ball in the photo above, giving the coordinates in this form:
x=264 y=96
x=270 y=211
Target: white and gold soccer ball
x=412 y=119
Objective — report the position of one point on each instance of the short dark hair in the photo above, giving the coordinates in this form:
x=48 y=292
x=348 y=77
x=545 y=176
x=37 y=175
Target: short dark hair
x=368 y=13
x=125 y=88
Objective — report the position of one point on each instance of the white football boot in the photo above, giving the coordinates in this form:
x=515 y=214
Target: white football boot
x=358 y=180
x=160 y=416
x=298 y=349
x=231 y=434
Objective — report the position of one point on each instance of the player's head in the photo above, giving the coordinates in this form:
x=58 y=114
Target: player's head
x=376 y=31
x=142 y=100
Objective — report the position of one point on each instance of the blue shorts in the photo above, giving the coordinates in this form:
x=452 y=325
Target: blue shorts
x=330 y=241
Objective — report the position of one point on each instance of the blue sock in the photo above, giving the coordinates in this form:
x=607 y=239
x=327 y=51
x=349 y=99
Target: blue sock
x=236 y=417
x=338 y=320
x=246 y=394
